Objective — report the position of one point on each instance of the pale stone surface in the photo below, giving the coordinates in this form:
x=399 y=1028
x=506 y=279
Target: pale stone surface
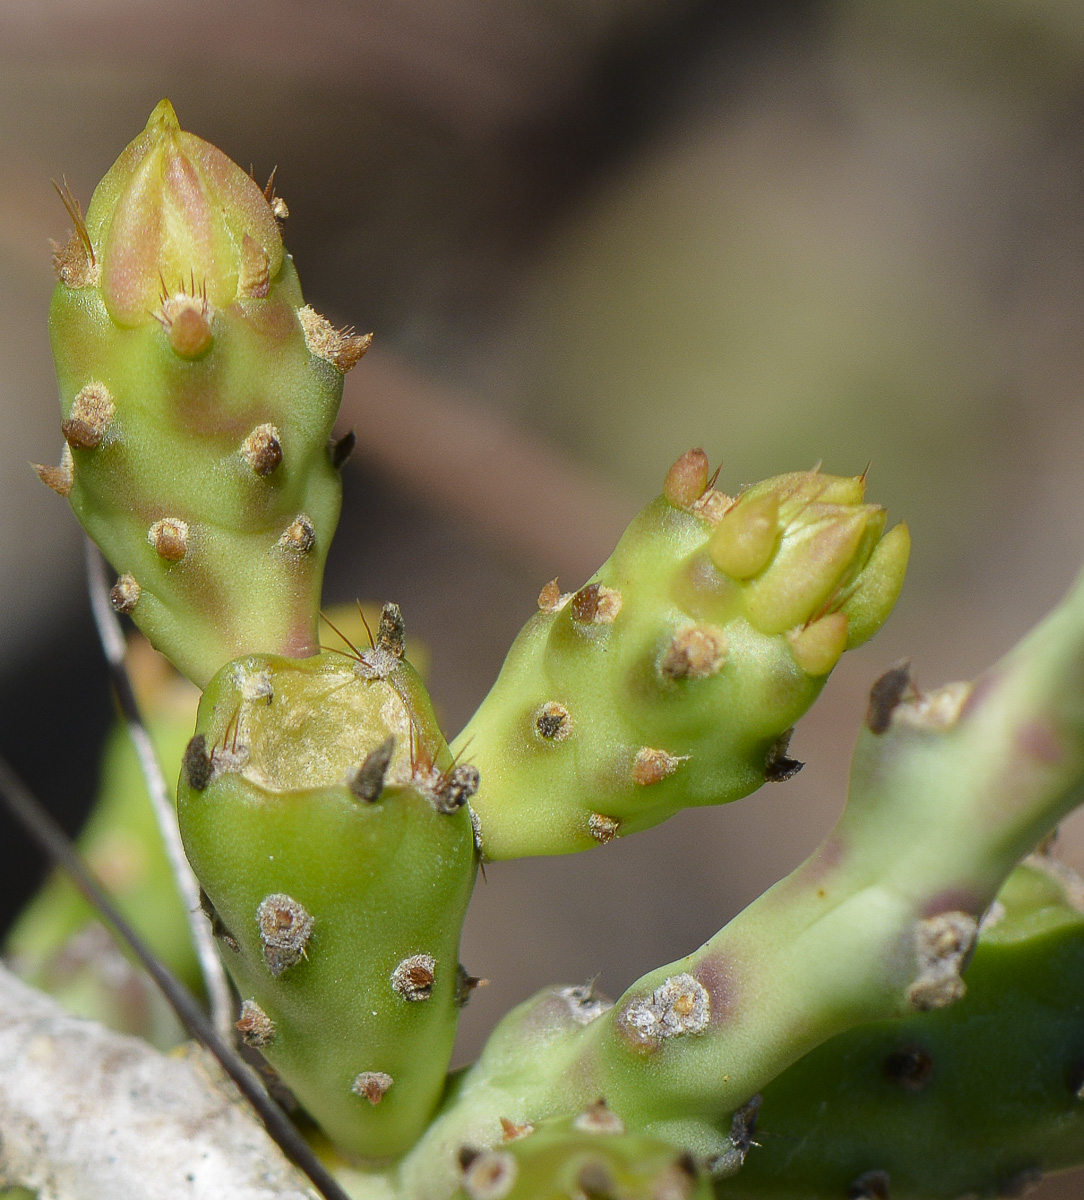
x=88 y=1114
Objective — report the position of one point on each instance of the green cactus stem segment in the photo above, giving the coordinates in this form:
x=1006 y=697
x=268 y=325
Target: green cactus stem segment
x=668 y=679
x=198 y=394
x=588 y=1155
x=881 y=920
x=324 y=816
x=948 y=793
x=989 y=1087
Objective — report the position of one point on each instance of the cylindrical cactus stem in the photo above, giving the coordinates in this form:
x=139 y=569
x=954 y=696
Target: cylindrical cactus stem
x=948 y=791
x=590 y=1154
x=989 y=1088
x=672 y=678
x=198 y=394
x=326 y=820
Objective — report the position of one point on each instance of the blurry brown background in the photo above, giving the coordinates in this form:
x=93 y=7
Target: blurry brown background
x=589 y=234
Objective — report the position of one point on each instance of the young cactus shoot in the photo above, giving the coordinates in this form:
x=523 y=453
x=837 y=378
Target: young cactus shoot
x=336 y=834
x=198 y=395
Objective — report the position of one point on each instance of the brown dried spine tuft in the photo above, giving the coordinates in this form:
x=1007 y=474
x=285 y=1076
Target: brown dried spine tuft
x=340 y=347
x=299 y=537
x=59 y=478
x=687 y=479
x=653 y=766
x=391 y=632
x=602 y=828
x=778 y=767
x=413 y=978
x=384 y=658
x=457 y=787
x=196 y=763
x=91 y=414
x=372 y=1085
x=596 y=604
x=551 y=599
x=695 y=652
x=885 y=696
x=285 y=929
x=512 y=1131
x=742 y=1127
x=73 y=267
x=599 y=1118
x=340 y=449
x=262 y=449
x=490 y=1175
x=553 y=722
x=465 y=985
x=75 y=262
x=254 y=279
x=169 y=537
x=368 y=781
x=255 y=1026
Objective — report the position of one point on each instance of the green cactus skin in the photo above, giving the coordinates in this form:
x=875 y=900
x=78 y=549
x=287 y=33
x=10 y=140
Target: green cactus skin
x=57 y=944
x=339 y=866
x=949 y=790
x=668 y=682
x=198 y=395
x=590 y=1155
x=977 y=1099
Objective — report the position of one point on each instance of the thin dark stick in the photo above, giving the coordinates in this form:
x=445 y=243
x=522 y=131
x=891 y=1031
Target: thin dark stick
x=28 y=810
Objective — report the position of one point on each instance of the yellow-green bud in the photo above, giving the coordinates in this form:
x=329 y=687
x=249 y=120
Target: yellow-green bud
x=745 y=539
x=797 y=548
x=877 y=588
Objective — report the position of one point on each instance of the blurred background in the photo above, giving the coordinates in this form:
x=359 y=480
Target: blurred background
x=589 y=234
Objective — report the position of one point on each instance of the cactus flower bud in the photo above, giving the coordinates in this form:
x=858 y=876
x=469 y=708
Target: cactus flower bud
x=171 y=210
x=795 y=545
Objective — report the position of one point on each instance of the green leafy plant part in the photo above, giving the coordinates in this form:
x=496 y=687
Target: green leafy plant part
x=802 y=1051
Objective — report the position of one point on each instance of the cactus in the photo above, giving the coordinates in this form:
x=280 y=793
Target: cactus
x=336 y=833
x=325 y=819
x=988 y=1088
x=673 y=677
x=198 y=394
x=589 y=1154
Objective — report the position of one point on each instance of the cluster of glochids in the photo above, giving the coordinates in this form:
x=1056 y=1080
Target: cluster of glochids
x=673 y=678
